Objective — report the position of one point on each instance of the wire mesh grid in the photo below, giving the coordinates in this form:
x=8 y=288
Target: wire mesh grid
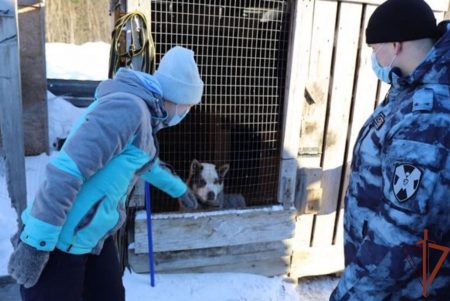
x=241 y=49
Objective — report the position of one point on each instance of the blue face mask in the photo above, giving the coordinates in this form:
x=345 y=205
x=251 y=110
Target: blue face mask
x=382 y=72
x=176 y=118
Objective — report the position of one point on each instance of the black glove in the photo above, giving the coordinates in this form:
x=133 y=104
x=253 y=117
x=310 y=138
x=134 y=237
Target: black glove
x=189 y=200
x=26 y=264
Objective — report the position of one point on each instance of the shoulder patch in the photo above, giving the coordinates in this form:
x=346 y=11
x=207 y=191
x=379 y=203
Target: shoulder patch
x=378 y=121
x=406 y=180
x=423 y=100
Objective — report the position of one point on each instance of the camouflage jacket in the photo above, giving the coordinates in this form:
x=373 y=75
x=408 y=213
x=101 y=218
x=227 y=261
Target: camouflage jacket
x=399 y=186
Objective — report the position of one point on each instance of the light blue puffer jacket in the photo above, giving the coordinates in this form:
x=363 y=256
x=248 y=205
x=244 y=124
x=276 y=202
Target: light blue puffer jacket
x=81 y=201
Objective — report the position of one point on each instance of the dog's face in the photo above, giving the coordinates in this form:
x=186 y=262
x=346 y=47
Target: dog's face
x=206 y=181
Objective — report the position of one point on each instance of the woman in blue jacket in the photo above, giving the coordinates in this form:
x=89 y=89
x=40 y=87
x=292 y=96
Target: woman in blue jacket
x=66 y=251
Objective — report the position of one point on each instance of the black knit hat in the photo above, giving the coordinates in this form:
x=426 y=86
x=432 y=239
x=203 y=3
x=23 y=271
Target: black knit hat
x=401 y=20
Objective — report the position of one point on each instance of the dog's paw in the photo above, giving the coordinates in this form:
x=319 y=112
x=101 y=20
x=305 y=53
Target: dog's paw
x=234 y=200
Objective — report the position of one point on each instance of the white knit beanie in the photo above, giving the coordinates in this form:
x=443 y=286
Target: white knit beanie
x=179 y=77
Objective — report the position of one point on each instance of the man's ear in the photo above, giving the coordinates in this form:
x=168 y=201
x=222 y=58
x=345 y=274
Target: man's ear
x=398 y=46
x=196 y=167
x=223 y=170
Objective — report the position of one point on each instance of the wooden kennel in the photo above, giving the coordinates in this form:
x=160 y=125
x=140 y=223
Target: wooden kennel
x=329 y=90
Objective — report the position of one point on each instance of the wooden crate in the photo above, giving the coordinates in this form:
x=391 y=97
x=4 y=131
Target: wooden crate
x=250 y=241
x=341 y=91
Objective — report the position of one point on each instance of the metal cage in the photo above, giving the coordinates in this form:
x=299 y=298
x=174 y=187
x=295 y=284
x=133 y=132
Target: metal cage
x=241 y=50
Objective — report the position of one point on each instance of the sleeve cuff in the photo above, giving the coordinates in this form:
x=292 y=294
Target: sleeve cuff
x=166 y=181
x=39 y=234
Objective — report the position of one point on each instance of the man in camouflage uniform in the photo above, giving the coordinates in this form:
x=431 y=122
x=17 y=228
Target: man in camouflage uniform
x=400 y=179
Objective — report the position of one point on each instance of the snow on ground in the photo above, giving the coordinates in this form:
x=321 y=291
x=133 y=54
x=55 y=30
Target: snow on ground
x=207 y=287
x=34 y=167
x=194 y=215
x=7 y=221
x=317 y=288
x=90 y=61
x=85 y=62
x=61 y=115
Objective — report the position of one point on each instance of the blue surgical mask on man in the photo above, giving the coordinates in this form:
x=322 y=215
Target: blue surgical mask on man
x=176 y=118
x=382 y=72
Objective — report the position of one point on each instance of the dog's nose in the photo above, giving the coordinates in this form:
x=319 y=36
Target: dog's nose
x=210 y=196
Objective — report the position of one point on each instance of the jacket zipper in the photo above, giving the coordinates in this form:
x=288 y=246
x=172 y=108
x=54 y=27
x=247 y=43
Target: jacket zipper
x=79 y=227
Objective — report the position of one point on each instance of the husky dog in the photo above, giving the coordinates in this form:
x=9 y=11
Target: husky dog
x=206 y=182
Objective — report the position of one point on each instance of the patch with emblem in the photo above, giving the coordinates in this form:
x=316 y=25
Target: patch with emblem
x=406 y=180
x=378 y=121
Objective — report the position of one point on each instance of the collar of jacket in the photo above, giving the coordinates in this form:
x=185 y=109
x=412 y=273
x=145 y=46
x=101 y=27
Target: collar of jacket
x=434 y=68
x=129 y=83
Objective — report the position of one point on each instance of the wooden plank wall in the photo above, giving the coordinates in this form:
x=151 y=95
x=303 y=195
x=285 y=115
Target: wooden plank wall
x=250 y=241
x=341 y=92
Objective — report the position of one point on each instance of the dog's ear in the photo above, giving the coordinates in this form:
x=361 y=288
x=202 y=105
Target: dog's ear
x=196 y=167
x=223 y=170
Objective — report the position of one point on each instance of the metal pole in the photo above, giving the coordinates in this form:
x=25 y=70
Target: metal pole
x=151 y=260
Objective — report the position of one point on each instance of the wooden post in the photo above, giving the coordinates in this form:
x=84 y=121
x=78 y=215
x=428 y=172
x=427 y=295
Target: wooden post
x=11 y=105
x=31 y=20
x=297 y=66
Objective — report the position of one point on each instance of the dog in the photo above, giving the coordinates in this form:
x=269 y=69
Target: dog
x=206 y=181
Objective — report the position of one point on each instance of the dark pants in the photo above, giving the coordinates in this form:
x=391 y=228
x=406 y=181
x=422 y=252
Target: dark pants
x=68 y=277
